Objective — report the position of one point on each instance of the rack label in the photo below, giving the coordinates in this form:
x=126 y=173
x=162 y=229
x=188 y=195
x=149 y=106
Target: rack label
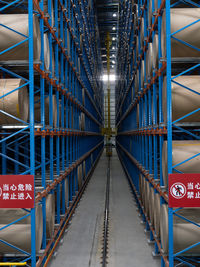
x=17 y=191
x=184 y=190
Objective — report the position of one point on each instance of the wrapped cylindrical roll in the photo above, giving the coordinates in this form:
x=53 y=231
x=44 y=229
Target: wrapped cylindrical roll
x=180 y=4
x=38 y=110
x=80 y=176
x=50 y=215
x=82 y=121
x=147 y=195
x=46 y=52
x=150 y=13
x=20 y=27
x=151 y=205
x=142 y=34
x=185 y=234
x=15 y=103
x=84 y=169
x=155 y=52
x=180 y=18
x=142 y=75
x=157 y=214
x=181 y=151
x=51 y=13
x=149 y=61
x=184 y=101
x=83 y=97
x=81 y=43
x=141 y=187
x=19 y=234
x=136 y=82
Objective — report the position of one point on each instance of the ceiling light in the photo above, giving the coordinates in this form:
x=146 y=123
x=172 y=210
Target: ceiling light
x=114 y=28
x=113 y=62
x=112 y=77
x=113 y=38
x=114 y=15
x=113 y=47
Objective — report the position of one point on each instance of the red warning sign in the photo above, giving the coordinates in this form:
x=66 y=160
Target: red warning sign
x=184 y=190
x=16 y=191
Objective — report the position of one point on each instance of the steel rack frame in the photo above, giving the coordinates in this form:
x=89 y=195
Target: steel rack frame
x=140 y=137
x=53 y=147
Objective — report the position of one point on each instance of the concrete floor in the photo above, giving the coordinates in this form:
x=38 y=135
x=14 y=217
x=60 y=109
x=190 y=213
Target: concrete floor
x=82 y=243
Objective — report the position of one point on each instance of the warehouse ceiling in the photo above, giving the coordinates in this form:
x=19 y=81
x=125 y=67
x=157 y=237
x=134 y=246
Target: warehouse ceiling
x=107 y=15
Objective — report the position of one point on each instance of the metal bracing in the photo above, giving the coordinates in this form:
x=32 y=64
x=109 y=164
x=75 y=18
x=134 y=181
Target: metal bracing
x=147 y=116
x=60 y=140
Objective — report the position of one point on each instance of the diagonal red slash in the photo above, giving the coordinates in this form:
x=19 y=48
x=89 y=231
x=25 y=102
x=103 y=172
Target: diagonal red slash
x=177 y=189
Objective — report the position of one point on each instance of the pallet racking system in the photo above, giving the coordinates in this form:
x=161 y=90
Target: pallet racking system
x=61 y=141
x=146 y=112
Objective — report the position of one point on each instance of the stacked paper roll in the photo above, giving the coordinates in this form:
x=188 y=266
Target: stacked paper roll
x=185 y=234
x=184 y=101
x=155 y=52
x=142 y=74
x=181 y=151
x=142 y=34
x=19 y=234
x=151 y=205
x=15 y=103
x=80 y=176
x=50 y=215
x=84 y=169
x=147 y=203
x=150 y=13
x=20 y=27
x=52 y=12
x=180 y=18
x=149 y=61
x=156 y=214
x=46 y=52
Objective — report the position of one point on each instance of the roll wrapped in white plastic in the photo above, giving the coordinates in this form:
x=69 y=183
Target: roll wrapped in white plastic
x=181 y=151
x=180 y=18
x=19 y=234
x=18 y=23
x=184 y=101
x=185 y=234
x=157 y=214
x=16 y=103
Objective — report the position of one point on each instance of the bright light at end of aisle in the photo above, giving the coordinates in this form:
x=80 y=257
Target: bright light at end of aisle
x=112 y=77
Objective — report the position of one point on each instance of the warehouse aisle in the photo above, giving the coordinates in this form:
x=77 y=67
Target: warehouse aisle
x=82 y=244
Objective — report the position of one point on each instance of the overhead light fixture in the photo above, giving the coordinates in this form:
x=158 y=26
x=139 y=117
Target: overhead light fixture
x=114 y=15
x=114 y=28
x=113 y=38
x=113 y=62
x=113 y=55
x=112 y=77
x=113 y=47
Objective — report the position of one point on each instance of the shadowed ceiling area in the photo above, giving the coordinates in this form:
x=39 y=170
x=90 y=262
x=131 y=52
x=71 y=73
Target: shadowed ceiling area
x=107 y=14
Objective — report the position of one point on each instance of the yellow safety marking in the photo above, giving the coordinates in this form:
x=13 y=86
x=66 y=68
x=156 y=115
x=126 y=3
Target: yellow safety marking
x=13 y=263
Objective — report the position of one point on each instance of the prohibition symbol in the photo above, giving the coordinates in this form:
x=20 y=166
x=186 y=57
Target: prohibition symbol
x=178 y=190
